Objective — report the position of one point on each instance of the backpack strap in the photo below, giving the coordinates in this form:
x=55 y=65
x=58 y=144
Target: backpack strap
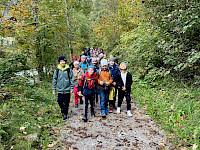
x=68 y=73
x=57 y=71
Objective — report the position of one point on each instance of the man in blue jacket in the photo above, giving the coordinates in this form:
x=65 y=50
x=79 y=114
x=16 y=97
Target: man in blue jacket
x=114 y=70
x=63 y=83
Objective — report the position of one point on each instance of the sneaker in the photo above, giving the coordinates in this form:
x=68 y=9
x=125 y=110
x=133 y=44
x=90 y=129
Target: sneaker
x=118 y=110
x=129 y=113
x=84 y=119
x=110 y=110
x=76 y=105
x=104 y=116
x=65 y=118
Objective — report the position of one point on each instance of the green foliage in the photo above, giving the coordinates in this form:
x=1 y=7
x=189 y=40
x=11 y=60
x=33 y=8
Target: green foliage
x=35 y=109
x=12 y=64
x=174 y=107
x=179 y=23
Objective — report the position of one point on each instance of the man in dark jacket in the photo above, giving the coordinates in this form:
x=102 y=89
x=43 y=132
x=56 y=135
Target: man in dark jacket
x=124 y=82
x=115 y=71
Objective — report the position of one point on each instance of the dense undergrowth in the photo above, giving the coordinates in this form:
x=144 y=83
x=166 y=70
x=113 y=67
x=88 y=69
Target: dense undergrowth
x=29 y=115
x=175 y=107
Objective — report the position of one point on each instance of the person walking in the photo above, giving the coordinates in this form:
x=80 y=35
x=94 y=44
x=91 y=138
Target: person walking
x=87 y=84
x=104 y=81
x=124 y=82
x=63 y=83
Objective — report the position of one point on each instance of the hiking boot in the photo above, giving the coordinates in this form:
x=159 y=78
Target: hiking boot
x=104 y=116
x=76 y=105
x=92 y=114
x=85 y=119
x=118 y=110
x=110 y=110
x=129 y=113
x=65 y=118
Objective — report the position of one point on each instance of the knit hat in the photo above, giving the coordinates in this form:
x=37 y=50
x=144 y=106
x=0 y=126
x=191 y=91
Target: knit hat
x=90 y=67
x=83 y=56
x=123 y=65
x=74 y=57
x=104 y=62
x=112 y=59
x=76 y=62
x=62 y=58
x=94 y=59
x=101 y=55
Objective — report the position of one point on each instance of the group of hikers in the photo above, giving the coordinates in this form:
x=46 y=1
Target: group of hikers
x=91 y=76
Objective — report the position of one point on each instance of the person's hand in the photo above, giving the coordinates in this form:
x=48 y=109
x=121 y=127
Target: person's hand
x=101 y=82
x=114 y=83
x=107 y=83
x=71 y=91
x=54 y=93
x=123 y=88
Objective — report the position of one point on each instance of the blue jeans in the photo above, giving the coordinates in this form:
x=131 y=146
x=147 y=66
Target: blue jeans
x=104 y=95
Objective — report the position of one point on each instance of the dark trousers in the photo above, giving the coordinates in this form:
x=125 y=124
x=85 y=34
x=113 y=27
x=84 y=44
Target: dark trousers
x=63 y=101
x=89 y=98
x=121 y=95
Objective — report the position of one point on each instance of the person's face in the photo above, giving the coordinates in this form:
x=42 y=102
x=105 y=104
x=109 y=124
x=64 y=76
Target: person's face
x=94 y=62
x=112 y=63
x=62 y=63
x=83 y=59
x=76 y=66
x=90 y=71
x=105 y=67
x=123 y=67
x=105 y=56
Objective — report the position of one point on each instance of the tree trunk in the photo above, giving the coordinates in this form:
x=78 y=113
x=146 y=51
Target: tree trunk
x=69 y=30
x=38 y=51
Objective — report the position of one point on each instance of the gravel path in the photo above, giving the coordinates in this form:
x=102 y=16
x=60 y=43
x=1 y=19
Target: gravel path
x=116 y=132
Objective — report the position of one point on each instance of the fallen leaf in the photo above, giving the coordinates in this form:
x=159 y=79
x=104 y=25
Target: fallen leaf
x=194 y=147
x=149 y=137
x=183 y=148
x=90 y=124
x=162 y=146
x=22 y=128
x=164 y=142
x=56 y=131
x=113 y=130
x=52 y=144
x=39 y=118
x=24 y=132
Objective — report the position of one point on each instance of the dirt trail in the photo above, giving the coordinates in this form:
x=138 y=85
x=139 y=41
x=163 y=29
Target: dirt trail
x=116 y=132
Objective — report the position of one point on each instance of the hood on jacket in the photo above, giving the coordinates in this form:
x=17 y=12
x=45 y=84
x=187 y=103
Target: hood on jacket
x=66 y=66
